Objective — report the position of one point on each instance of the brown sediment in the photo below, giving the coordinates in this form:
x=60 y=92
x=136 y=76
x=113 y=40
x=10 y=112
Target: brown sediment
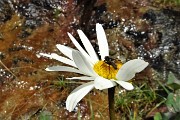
x=31 y=89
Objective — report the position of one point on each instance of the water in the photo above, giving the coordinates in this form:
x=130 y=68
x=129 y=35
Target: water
x=134 y=30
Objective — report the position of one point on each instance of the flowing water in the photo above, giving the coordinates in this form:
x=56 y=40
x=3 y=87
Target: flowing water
x=135 y=29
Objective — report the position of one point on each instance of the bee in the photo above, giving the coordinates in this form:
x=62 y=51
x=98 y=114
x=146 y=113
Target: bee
x=110 y=61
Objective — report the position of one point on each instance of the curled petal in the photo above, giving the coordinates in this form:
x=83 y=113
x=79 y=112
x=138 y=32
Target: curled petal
x=77 y=94
x=79 y=47
x=45 y=55
x=102 y=83
x=82 y=78
x=83 y=65
x=63 y=59
x=125 y=85
x=63 y=68
x=130 y=68
x=59 y=58
x=102 y=41
x=89 y=48
x=67 y=51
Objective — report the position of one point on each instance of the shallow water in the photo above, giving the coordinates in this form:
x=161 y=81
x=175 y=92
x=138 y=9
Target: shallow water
x=27 y=27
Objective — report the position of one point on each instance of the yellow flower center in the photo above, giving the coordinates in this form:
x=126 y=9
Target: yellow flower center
x=106 y=70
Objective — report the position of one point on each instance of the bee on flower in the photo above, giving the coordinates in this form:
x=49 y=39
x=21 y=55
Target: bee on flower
x=100 y=73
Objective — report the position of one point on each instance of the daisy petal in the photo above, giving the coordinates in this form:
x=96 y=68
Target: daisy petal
x=79 y=47
x=83 y=65
x=63 y=59
x=59 y=58
x=82 y=78
x=125 y=85
x=45 y=55
x=130 y=68
x=102 y=41
x=77 y=94
x=63 y=68
x=67 y=51
x=102 y=83
x=88 y=46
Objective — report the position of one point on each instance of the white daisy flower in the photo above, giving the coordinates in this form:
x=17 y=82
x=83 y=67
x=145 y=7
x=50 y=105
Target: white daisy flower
x=102 y=74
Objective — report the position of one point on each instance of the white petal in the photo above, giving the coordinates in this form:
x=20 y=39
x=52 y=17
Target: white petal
x=125 y=85
x=45 y=55
x=67 y=51
x=82 y=78
x=89 y=48
x=130 y=68
x=77 y=94
x=83 y=65
x=79 y=47
x=63 y=68
x=102 y=41
x=102 y=83
x=63 y=59
x=59 y=58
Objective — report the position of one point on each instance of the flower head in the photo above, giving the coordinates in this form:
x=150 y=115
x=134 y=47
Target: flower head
x=102 y=74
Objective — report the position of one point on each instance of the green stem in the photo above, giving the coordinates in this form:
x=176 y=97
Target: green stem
x=111 y=92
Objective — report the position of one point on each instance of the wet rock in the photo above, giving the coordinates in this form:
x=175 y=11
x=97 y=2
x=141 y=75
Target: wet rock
x=32 y=26
x=6 y=10
x=37 y=13
x=166 y=53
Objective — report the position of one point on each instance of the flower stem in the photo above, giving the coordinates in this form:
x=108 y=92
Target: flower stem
x=111 y=92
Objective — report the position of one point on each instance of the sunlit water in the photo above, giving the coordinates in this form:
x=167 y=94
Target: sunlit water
x=134 y=30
